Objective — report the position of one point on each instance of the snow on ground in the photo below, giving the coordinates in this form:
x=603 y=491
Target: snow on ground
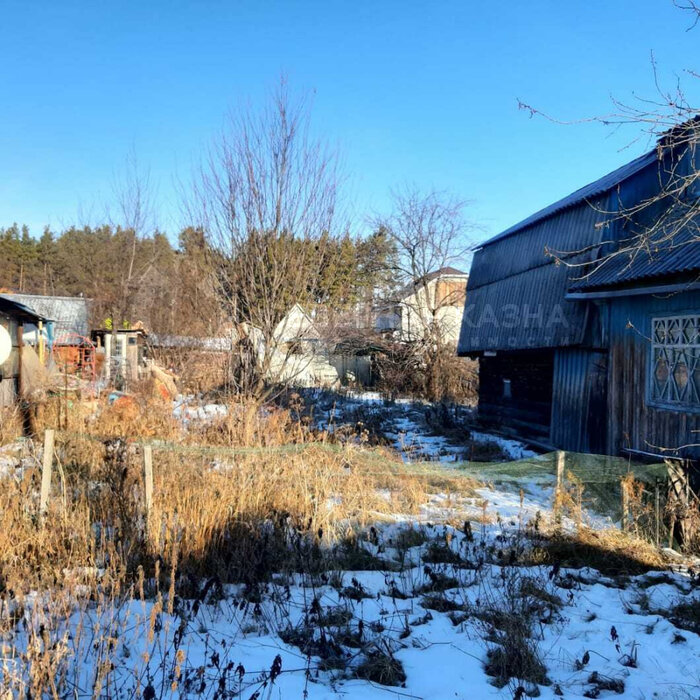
x=431 y=606
x=426 y=619
x=513 y=449
x=187 y=408
x=403 y=423
x=16 y=456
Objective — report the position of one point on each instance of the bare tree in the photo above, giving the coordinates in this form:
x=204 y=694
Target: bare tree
x=430 y=233
x=132 y=219
x=669 y=218
x=133 y=216
x=267 y=198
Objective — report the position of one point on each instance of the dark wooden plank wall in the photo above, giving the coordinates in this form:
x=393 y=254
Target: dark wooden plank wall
x=528 y=410
x=633 y=423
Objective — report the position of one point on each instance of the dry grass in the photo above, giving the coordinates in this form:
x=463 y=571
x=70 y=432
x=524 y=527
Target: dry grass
x=248 y=425
x=276 y=502
x=262 y=498
x=611 y=552
x=10 y=424
x=229 y=509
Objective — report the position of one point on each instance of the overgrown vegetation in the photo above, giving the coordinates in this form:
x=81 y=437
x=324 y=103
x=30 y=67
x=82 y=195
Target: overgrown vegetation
x=264 y=527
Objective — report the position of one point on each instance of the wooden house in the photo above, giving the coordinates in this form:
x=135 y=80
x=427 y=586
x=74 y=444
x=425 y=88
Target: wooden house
x=601 y=353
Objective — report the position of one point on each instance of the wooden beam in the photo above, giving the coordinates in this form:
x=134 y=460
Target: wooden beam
x=47 y=467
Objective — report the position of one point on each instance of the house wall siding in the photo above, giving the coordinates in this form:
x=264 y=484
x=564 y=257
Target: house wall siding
x=579 y=417
x=634 y=423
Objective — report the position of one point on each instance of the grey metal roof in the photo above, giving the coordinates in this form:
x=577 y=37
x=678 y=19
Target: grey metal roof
x=594 y=189
x=71 y=315
x=523 y=311
x=18 y=310
x=516 y=292
x=674 y=254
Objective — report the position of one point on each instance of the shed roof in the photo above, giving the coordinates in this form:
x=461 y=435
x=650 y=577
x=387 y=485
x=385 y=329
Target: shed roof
x=70 y=314
x=19 y=311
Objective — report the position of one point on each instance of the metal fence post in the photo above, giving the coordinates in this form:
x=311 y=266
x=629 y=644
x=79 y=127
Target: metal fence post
x=46 y=469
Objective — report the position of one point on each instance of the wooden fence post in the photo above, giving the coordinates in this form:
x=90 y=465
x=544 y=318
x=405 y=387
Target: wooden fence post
x=558 y=495
x=46 y=469
x=625 y=505
x=148 y=477
x=657 y=510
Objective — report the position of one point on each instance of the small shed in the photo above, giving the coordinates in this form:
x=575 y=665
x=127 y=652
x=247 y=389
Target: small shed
x=14 y=318
x=121 y=353
x=70 y=316
x=586 y=356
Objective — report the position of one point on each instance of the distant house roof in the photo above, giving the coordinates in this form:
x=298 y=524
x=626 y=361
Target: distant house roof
x=411 y=287
x=18 y=310
x=445 y=272
x=69 y=314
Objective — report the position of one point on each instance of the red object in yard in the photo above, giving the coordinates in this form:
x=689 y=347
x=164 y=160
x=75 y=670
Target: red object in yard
x=76 y=355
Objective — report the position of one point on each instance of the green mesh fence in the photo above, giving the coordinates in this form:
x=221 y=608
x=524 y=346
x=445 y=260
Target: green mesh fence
x=591 y=484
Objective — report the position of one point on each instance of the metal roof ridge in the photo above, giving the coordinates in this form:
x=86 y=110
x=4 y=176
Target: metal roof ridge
x=48 y=296
x=592 y=189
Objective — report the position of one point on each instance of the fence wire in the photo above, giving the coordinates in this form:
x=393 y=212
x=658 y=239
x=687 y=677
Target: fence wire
x=632 y=495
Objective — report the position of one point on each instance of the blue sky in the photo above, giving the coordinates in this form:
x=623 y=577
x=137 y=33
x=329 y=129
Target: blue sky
x=410 y=91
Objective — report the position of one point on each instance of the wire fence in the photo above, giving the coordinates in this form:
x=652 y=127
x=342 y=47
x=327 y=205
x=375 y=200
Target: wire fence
x=636 y=497
x=632 y=495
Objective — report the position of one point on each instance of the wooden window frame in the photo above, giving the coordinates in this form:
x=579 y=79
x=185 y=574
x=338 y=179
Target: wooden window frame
x=675 y=336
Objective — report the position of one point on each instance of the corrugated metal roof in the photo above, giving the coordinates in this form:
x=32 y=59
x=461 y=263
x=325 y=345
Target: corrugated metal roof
x=573 y=230
x=524 y=311
x=18 y=310
x=516 y=292
x=587 y=193
x=672 y=255
x=71 y=315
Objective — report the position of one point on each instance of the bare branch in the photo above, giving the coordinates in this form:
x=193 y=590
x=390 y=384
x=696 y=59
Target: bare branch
x=267 y=198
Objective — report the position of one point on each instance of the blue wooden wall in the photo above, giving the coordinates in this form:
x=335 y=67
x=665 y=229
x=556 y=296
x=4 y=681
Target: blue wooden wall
x=633 y=422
